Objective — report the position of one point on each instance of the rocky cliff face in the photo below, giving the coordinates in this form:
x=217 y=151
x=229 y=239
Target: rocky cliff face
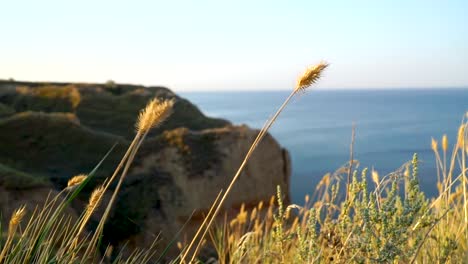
x=50 y=132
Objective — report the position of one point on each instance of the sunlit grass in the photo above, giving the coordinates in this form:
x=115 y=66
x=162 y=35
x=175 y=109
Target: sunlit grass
x=353 y=217
x=390 y=221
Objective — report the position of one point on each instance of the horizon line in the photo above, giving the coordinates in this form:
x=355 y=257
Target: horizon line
x=182 y=90
x=322 y=89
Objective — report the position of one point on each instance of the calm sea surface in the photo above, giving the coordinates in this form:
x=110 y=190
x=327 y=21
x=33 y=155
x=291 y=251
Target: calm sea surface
x=316 y=127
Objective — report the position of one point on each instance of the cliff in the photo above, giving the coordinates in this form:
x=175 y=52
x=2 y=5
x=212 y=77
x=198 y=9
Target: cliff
x=52 y=131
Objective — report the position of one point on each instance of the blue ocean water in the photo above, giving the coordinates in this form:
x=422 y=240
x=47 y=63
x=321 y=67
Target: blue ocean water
x=316 y=127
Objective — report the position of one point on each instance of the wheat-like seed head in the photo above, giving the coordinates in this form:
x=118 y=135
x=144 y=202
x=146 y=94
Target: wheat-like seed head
x=444 y=143
x=375 y=177
x=260 y=205
x=242 y=215
x=434 y=145
x=310 y=76
x=76 y=180
x=253 y=214
x=155 y=112
x=461 y=137
x=16 y=218
x=95 y=199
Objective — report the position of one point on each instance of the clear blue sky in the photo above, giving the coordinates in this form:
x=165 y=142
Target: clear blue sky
x=236 y=45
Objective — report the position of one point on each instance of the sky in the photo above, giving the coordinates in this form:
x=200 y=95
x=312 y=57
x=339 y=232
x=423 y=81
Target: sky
x=236 y=45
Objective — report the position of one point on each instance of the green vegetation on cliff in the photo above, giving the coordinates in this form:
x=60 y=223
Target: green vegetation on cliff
x=43 y=124
x=103 y=108
x=56 y=145
x=18 y=180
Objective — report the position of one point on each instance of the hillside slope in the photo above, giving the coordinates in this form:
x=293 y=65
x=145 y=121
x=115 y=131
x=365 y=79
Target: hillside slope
x=50 y=132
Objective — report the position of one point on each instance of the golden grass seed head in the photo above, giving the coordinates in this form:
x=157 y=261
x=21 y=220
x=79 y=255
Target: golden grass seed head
x=94 y=199
x=444 y=143
x=434 y=145
x=179 y=245
x=155 y=112
x=260 y=205
x=242 y=215
x=272 y=201
x=310 y=76
x=253 y=214
x=461 y=136
x=375 y=177
x=242 y=208
x=76 y=180
x=16 y=218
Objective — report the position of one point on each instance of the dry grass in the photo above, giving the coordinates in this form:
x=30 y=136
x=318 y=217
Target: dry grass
x=76 y=180
x=154 y=114
x=52 y=236
x=310 y=76
x=307 y=79
x=391 y=222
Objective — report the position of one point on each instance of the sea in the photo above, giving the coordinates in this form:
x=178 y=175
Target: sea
x=316 y=127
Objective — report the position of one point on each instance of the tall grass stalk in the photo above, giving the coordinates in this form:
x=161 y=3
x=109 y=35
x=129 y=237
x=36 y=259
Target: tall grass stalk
x=155 y=113
x=310 y=76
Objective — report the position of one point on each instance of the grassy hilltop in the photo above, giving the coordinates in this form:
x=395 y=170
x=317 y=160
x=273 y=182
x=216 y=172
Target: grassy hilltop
x=42 y=125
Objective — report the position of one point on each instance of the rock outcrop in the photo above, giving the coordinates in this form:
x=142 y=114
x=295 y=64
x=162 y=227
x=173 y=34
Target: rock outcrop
x=50 y=132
